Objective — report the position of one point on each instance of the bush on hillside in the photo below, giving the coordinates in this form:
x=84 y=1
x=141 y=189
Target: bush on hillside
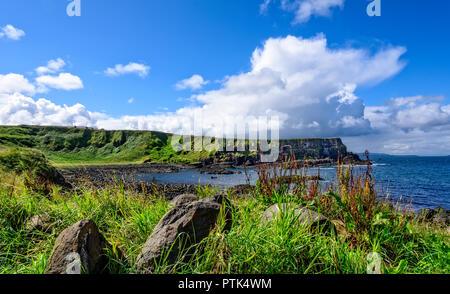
x=99 y=139
x=37 y=172
x=119 y=138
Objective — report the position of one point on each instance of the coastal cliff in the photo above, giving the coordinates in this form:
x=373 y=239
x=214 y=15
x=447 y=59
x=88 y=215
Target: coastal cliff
x=315 y=148
x=318 y=151
x=80 y=146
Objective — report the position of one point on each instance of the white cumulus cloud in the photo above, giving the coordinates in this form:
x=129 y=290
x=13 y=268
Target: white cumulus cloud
x=309 y=86
x=18 y=109
x=407 y=125
x=131 y=68
x=63 y=81
x=410 y=113
x=12 y=83
x=305 y=9
x=196 y=82
x=53 y=66
x=11 y=32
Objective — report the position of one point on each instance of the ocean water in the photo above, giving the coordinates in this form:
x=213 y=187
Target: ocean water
x=423 y=182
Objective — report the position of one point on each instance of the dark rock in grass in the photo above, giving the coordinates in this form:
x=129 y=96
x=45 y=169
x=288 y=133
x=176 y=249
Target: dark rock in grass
x=304 y=216
x=79 y=249
x=439 y=216
x=425 y=214
x=179 y=229
x=60 y=180
x=273 y=211
x=442 y=216
x=222 y=200
x=184 y=199
x=341 y=229
x=172 y=191
x=41 y=223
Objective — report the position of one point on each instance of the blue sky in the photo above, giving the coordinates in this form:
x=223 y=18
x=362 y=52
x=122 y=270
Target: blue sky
x=176 y=39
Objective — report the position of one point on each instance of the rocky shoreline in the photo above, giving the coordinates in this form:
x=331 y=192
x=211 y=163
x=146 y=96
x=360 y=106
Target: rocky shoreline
x=111 y=174
x=100 y=176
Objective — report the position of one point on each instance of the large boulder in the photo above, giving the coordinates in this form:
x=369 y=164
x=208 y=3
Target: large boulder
x=304 y=216
x=179 y=229
x=79 y=249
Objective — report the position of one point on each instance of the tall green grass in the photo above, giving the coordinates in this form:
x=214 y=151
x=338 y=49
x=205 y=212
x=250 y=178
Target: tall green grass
x=126 y=218
x=251 y=246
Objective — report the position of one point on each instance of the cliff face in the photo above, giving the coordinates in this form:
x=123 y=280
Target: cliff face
x=314 y=148
x=321 y=150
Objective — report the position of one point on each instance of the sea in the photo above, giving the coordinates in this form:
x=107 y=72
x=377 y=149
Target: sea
x=416 y=181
